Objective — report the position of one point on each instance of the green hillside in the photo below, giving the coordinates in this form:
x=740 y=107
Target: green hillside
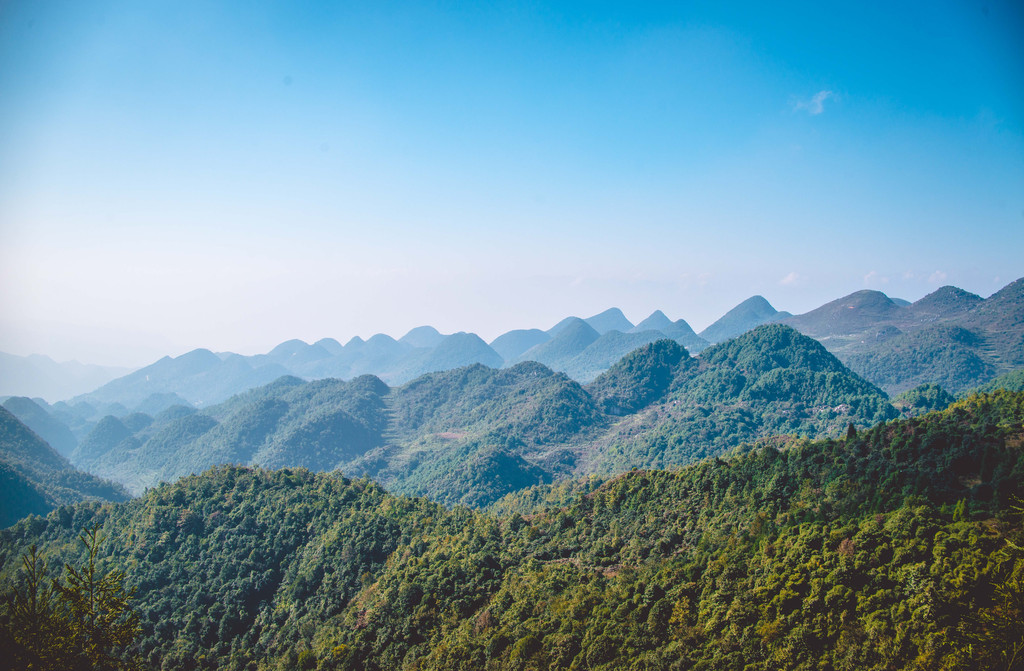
x=889 y=548
x=769 y=381
x=35 y=416
x=37 y=476
x=472 y=435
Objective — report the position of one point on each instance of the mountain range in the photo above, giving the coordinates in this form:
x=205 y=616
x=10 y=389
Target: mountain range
x=39 y=375
x=473 y=434
x=950 y=337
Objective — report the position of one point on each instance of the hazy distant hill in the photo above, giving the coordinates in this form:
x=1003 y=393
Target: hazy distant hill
x=36 y=417
x=200 y=376
x=950 y=337
x=423 y=336
x=677 y=330
x=38 y=375
x=568 y=338
x=611 y=319
x=453 y=351
x=603 y=352
x=750 y=313
x=851 y=314
x=513 y=343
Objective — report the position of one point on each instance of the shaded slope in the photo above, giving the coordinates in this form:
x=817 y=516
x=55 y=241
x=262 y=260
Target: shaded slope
x=611 y=319
x=847 y=315
x=750 y=313
x=572 y=336
x=50 y=429
x=510 y=345
x=50 y=474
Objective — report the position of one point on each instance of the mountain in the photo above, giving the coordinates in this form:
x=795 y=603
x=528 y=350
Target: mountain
x=200 y=376
x=769 y=381
x=944 y=303
x=677 y=330
x=845 y=316
x=657 y=321
x=568 y=339
x=291 y=354
x=950 y=337
x=640 y=378
x=605 y=351
x=923 y=399
x=381 y=353
x=449 y=434
x=38 y=375
x=890 y=546
x=513 y=343
x=611 y=319
x=944 y=354
x=27 y=458
x=1012 y=381
x=750 y=313
x=333 y=347
x=35 y=416
x=453 y=351
x=423 y=336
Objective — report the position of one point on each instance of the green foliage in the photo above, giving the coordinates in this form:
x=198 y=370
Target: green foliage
x=922 y=399
x=948 y=355
x=640 y=378
x=1012 y=381
x=39 y=477
x=82 y=622
x=894 y=547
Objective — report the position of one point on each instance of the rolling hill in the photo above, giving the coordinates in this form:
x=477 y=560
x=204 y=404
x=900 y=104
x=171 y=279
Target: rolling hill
x=469 y=434
x=894 y=546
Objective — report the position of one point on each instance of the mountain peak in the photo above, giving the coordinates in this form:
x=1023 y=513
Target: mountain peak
x=752 y=312
x=947 y=300
x=423 y=336
x=611 y=319
x=657 y=321
x=847 y=315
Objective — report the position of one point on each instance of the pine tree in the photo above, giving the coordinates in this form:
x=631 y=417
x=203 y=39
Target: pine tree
x=82 y=622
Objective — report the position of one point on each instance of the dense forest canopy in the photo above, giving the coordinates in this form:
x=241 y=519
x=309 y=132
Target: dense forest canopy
x=890 y=547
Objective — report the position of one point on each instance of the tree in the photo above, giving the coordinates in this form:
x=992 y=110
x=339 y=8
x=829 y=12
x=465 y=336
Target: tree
x=82 y=622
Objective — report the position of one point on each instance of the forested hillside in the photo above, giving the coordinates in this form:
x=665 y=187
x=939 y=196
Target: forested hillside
x=950 y=337
x=892 y=547
x=471 y=435
x=34 y=478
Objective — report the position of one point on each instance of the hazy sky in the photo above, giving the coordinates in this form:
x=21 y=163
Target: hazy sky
x=231 y=175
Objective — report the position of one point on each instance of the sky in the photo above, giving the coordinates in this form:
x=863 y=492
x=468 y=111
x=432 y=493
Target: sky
x=231 y=175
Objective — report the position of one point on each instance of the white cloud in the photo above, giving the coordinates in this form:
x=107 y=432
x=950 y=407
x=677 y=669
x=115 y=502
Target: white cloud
x=791 y=279
x=874 y=278
x=937 y=277
x=816 y=105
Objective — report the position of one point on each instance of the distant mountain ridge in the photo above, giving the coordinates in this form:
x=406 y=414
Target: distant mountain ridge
x=950 y=337
x=37 y=375
x=472 y=434
x=202 y=378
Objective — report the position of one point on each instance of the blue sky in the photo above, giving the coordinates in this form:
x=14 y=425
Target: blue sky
x=185 y=174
